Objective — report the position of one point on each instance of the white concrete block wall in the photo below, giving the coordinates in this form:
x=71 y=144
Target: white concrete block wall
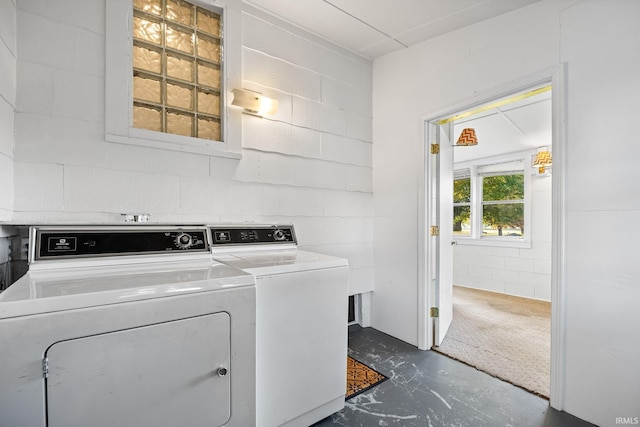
x=523 y=272
x=598 y=41
x=8 y=84
x=310 y=164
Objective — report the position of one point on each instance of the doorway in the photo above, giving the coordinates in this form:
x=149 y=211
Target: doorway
x=437 y=218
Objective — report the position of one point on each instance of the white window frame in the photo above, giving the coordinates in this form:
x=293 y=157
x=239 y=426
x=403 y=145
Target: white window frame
x=476 y=238
x=119 y=84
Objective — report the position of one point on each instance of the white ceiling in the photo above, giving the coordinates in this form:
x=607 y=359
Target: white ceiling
x=517 y=126
x=374 y=27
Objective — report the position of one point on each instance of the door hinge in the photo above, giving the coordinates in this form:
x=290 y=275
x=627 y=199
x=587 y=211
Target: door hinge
x=435 y=230
x=45 y=367
x=435 y=312
x=435 y=148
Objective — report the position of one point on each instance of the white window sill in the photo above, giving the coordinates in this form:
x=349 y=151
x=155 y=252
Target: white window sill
x=171 y=142
x=504 y=242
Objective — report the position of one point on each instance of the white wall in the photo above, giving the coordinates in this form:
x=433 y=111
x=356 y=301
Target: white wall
x=8 y=53
x=599 y=40
x=523 y=272
x=310 y=164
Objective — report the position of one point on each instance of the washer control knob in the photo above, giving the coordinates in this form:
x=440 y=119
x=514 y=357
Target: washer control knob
x=184 y=241
x=279 y=235
x=222 y=371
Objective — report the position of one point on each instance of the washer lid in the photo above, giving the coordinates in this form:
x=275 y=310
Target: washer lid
x=49 y=291
x=277 y=262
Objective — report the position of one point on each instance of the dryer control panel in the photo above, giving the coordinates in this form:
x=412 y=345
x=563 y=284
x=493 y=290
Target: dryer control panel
x=62 y=242
x=252 y=235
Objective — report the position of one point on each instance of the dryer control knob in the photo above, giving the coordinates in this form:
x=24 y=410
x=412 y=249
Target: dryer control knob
x=184 y=241
x=279 y=235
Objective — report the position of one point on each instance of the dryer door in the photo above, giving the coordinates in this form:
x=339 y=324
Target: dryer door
x=167 y=374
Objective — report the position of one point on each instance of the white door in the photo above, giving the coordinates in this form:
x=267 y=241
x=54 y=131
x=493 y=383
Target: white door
x=442 y=242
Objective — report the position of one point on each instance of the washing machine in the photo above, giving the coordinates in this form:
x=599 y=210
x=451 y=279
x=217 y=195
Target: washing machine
x=127 y=326
x=301 y=322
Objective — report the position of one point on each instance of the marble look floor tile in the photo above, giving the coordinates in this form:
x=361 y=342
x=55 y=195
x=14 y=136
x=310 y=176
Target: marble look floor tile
x=426 y=388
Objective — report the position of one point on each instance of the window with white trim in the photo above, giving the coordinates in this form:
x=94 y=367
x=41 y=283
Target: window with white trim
x=492 y=202
x=462 y=203
x=169 y=72
x=177 y=62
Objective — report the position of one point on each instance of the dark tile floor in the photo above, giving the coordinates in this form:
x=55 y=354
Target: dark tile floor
x=428 y=389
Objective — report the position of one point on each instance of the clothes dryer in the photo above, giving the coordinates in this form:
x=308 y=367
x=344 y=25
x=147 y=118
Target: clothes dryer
x=301 y=322
x=127 y=326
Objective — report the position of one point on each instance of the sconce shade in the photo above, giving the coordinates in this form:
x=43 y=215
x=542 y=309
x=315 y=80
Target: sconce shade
x=468 y=137
x=542 y=160
x=254 y=102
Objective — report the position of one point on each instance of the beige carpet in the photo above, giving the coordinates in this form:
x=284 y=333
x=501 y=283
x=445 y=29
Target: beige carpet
x=505 y=336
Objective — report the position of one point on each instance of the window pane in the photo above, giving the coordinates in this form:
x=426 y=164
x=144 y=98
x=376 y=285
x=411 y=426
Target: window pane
x=505 y=219
x=149 y=6
x=147 y=59
x=179 y=96
x=209 y=103
x=180 y=68
x=208 y=76
x=180 y=124
x=462 y=220
x=179 y=39
x=209 y=129
x=503 y=187
x=180 y=11
x=208 y=22
x=145 y=29
x=146 y=89
x=147 y=118
x=209 y=48
x=462 y=190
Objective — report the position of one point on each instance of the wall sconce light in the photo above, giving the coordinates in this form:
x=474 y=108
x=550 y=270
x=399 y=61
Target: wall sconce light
x=542 y=160
x=467 y=137
x=254 y=102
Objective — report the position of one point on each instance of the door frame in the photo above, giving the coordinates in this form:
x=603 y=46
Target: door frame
x=557 y=77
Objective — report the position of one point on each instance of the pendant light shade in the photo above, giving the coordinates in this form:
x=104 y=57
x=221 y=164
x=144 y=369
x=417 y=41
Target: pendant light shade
x=468 y=137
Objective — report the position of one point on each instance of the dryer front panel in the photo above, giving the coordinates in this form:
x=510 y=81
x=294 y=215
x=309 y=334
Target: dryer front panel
x=166 y=374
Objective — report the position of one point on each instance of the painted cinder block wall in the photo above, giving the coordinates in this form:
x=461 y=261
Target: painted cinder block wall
x=8 y=58
x=310 y=164
x=523 y=272
x=599 y=42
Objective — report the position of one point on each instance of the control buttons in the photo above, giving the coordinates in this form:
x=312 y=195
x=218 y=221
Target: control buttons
x=279 y=235
x=184 y=241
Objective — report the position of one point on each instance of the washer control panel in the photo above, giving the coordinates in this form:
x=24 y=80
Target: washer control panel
x=61 y=242
x=252 y=235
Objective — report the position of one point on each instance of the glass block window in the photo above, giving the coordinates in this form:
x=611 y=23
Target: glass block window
x=177 y=68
